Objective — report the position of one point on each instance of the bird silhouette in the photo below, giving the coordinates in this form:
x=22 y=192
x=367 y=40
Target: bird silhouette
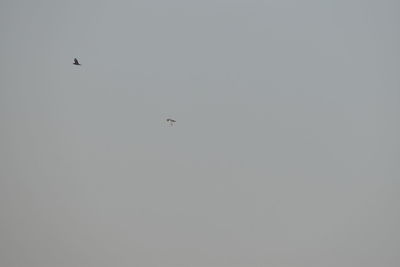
x=76 y=62
x=171 y=121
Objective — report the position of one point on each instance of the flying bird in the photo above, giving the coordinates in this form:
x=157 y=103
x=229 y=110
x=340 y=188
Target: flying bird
x=171 y=121
x=76 y=62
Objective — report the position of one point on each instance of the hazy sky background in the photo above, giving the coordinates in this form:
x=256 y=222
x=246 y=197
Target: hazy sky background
x=286 y=150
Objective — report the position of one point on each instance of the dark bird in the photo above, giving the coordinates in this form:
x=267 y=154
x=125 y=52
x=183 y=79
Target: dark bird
x=76 y=62
x=171 y=121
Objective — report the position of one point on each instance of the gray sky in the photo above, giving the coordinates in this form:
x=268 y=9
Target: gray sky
x=285 y=153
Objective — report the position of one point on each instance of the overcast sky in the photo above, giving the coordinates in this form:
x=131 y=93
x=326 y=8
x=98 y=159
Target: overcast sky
x=286 y=150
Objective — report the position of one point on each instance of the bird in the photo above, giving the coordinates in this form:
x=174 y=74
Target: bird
x=76 y=62
x=171 y=121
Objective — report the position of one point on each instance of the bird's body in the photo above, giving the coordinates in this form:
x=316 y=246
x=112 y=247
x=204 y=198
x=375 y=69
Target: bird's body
x=171 y=121
x=76 y=62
